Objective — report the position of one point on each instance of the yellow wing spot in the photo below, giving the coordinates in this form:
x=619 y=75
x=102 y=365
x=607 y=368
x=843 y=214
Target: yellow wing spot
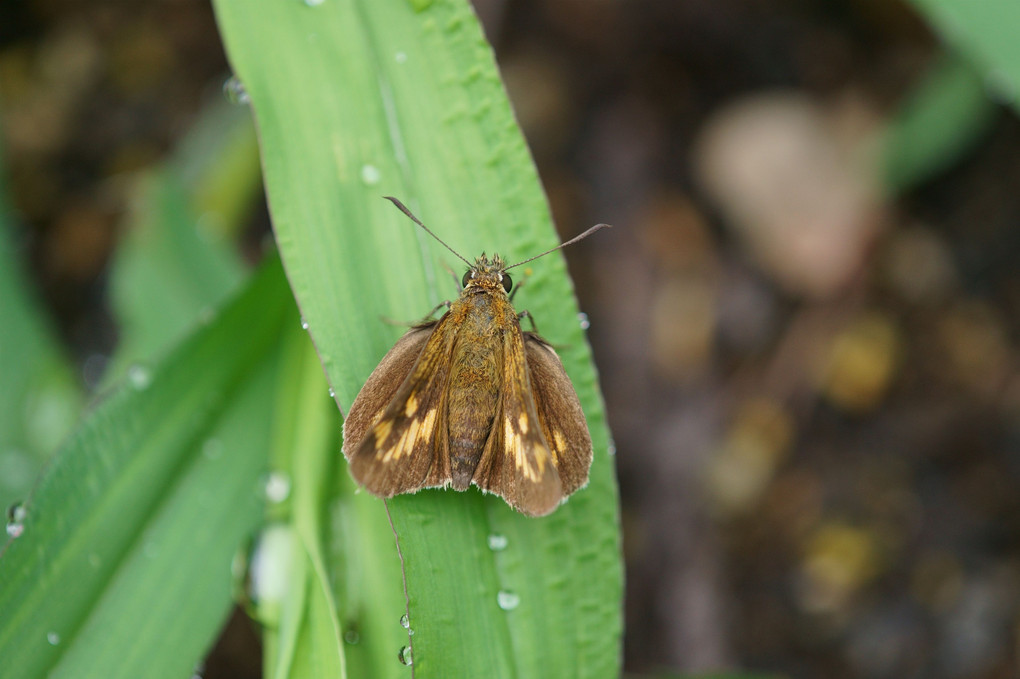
x=412 y=406
x=560 y=443
x=522 y=422
x=515 y=446
x=407 y=440
x=428 y=425
x=382 y=432
x=540 y=458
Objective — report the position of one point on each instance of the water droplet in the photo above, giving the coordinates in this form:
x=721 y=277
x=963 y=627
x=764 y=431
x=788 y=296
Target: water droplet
x=611 y=449
x=401 y=57
x=233 y=90
x=53 y=638
x=277 y=487
x=263 y=572
x=16 y=515
x=420 y=6
x=405 y=622
x=304 y=323
x=405 y=656
x=497 y=543
x=332 y=392
x=314 y=3
x=212 y=449
x=583 y=318
x=370 y=174
x=352 y=637
x=139 y=376
x=508 y=601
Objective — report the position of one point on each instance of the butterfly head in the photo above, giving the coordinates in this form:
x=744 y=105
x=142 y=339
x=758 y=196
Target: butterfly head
x=487 y=275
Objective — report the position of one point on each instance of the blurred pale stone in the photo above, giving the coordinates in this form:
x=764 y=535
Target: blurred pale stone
x=793 y=188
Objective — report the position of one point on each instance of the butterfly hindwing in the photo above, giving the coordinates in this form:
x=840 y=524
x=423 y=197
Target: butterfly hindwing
x=396 y=439
x=517 y=463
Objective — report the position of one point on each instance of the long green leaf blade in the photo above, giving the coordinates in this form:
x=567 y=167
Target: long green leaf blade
x=363 y=99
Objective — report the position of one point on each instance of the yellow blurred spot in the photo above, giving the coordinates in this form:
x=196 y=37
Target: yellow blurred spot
x=745 y=463
x=839 y=559
x=861 y=363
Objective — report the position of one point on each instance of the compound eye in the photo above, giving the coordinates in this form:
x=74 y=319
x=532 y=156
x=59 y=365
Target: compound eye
x=467 y=276
x=507 y=282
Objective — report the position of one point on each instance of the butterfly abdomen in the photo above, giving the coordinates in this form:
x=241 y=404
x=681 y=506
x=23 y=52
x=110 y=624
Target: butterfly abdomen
x=473 y=389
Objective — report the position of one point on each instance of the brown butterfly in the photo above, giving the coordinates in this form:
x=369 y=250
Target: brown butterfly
x=471 y=398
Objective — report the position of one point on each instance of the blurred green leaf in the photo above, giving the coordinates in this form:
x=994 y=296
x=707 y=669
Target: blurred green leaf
x=218 y=164
x=123 y=568
x=175 y=263
x=40 y=396
x=941 y=119
x=309 y=640
x=359 y=100
x=986 y=32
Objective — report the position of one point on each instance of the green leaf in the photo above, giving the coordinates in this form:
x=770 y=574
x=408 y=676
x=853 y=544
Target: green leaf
x=123 y=567
x=309 y=640
x=40 y=396
x=940 y=120
x=363 y=99
x=986 y=32
x=175 y=264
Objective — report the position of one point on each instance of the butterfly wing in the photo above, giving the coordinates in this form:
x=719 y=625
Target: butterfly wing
x=517 y=463
x=559 y=413
x=395 y=433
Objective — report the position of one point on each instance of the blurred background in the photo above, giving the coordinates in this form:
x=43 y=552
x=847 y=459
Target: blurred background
x=806 y=321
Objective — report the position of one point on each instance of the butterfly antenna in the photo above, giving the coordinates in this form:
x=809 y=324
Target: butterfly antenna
x=563 y=245
x=417 y=221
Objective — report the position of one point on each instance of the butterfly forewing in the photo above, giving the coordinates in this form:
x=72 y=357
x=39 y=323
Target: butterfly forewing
x=517 y=463
x=403 y=449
